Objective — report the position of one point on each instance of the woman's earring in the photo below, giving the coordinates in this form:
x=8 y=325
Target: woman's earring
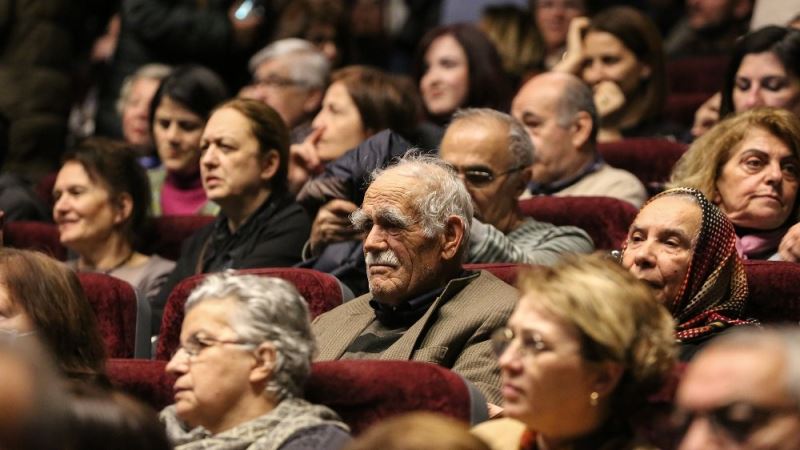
x=593 y=397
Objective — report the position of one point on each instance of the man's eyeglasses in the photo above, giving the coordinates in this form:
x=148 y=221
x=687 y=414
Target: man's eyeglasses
x=481 y=176
x=530 y=343
x=196 y=344
x=277 y=81
x=737 y=420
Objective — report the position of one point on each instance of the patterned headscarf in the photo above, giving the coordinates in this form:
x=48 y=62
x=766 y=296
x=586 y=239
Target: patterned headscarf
x=714 y=293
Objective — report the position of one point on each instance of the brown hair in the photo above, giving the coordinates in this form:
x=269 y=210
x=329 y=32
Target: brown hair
x=269 y=130
x=701 y=165
x=52 y=296
x=419 y=431
x=383 y=100
x=640 y=35
x=113 y=165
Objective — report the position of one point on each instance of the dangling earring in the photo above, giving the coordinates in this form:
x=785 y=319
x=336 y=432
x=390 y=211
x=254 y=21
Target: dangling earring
x=593 y=398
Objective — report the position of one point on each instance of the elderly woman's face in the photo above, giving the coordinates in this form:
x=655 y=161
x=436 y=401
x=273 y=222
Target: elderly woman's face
x=763 y=81
x=13 y=318
x=136 y=111
x=546 y=382
x=340 y=122
x=83 y=209
x=213 y=382
x=757 y=186
x=445 y=84
x=661 y=243
x=177 y=131
x=232 y=167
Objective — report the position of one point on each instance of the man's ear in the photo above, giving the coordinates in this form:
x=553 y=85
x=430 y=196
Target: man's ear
x=269 y=164
x=452 y=237
x=124 y=208
x=265 y=363
x=606 y=378
x=581 y=129
x=522 y=181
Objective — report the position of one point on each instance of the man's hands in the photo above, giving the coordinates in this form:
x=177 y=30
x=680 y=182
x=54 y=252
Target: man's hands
x=332 y=224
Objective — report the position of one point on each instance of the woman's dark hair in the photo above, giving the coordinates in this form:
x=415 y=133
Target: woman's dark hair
x=269 y=130
x=639 y=34
x=51 y=295
x=113 y=165
x=783 y=42
x=488 y=85
x=196 y=88
x=101 y=418
x=383 y=100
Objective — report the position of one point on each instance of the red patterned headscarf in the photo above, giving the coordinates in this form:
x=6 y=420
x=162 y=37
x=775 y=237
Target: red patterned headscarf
x=714 y=293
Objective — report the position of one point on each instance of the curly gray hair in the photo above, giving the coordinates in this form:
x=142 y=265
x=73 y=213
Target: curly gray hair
x=270 y=310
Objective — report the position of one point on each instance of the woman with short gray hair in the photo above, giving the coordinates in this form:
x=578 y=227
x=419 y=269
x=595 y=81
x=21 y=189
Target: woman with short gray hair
x=245 y=354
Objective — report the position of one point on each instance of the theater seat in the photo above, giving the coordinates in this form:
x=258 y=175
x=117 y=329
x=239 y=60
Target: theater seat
x=114 y=304
x=164 y=235
x=365 y=392
x=142 y=378
x=650 y=159
x=38 y=236
x=682 y=106
x=505 y=271
x=774 y=291
x=696 y=74
x=606 y=219
x=321 y=290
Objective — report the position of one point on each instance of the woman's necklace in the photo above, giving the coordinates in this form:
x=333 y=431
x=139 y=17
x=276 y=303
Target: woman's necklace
x=116 y=266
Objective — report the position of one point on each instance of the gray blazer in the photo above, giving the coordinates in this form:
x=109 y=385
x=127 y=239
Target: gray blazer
x=453 y=333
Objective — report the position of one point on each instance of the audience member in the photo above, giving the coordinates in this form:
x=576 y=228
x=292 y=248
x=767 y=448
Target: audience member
x=684 y=248
x=422 y=305
x=559 y=113
x=583 y=350
x=763 y=71
x=456 y=66
x=245 y=147
x=321 y=22
x=360 y=102
x=133 y=107
x=290 y=75
x=710 y=28
x=418 y=431
x=101 y=201
x=178 y=113
x=552 y=19
x=741 y=393
x=245 y=354
x=99 y=419
x=30 y=284
x=749 y=166
x=492 y=153
x=510 y=29
x=619 y=54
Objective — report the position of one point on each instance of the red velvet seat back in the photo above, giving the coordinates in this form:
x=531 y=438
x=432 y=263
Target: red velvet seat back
x=364 y=392
x=774 y=291
x=114 y=304
x=682 y=106
x=321 y=290
x=505 y=271
x=696 y=74
x=606 y=219
x=38 y=236
x=165 y=235
x=144 y=379
x=650 y=159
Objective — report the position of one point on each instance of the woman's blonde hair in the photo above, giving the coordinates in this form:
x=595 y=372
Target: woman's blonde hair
x=617 y=317
x=701 y=165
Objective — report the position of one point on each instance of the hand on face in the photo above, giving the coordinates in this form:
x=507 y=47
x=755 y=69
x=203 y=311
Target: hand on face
x=332 y=224
x=304 y=162
x=608 y=97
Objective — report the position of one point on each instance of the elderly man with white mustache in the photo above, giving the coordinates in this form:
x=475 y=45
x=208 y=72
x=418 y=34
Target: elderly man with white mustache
x=422 y=304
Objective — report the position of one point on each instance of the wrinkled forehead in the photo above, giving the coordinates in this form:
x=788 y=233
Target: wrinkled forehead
x=391 y=191
x=680 y=211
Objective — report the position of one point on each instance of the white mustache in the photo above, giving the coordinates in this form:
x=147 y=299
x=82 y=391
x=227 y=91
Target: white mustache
x=382 y=258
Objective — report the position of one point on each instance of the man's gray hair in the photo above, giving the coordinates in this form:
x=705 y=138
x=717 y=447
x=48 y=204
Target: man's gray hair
x=308 y=66
x=439 y=192
x=519 y=142
x=577 y=97
x=783 y=339
x=154 y=71
x=270 y=310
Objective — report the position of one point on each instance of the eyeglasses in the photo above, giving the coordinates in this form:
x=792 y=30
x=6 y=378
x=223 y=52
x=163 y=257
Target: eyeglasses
x=196 y=344
x=531 y=344
x=277 y=81
x=737 y=420
x=11 y=335
x=481 y=176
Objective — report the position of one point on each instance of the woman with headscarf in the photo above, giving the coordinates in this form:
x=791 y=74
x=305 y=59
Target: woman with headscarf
x=684 y=248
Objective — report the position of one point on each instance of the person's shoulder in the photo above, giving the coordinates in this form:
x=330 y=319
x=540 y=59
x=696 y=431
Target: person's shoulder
x=357 y=306
x=486 y=287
